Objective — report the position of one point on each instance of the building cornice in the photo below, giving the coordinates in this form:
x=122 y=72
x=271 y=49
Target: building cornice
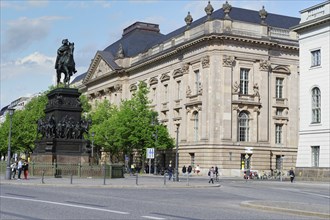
x=212 y=37
x=312 y=23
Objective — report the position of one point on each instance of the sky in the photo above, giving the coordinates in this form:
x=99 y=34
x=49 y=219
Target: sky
x=33 y=30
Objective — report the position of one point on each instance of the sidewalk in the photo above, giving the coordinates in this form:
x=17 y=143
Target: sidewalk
x=140 y=181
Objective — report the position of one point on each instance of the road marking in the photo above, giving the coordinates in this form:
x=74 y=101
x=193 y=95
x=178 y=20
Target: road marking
x=151 y=217
x=315 y=194
x=66 y=204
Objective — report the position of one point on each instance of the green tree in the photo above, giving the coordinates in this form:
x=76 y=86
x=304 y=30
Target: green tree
x=129 y=127
x=24 y=126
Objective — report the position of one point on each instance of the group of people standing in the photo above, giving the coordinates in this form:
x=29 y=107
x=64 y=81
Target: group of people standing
x=18 y=167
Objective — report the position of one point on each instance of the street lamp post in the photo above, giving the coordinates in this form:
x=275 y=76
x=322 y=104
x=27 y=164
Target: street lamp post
x=8 y=169
x=176 y=153
x=93 y=134
x=155 y=123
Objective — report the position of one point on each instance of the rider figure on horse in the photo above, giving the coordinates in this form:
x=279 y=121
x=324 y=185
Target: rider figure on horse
x=63 y=62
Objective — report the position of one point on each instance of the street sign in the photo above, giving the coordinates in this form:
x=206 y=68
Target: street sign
x=248 y=150
x=150 y=153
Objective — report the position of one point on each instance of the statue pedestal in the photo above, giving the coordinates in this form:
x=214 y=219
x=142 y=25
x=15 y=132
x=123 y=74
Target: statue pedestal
x=62 y=130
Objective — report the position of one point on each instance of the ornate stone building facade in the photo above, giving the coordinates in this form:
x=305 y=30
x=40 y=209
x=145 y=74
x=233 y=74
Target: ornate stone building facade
x=229 y=79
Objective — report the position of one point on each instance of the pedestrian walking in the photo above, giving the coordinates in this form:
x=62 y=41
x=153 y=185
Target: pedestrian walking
x=13 y=169
x=198 y=170
x=25 y=169
x=291 y=173
x=184 y=170
x=216 y=171
x=211 y=175
x=19 y=168
x=170 y=172
x=189 y=169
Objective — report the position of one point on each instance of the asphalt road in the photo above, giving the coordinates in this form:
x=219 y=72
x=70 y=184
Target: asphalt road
x=231 y=200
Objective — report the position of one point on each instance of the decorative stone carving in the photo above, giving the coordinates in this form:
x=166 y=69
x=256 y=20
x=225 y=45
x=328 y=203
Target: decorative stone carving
x=209 y=10
x=228 y=61
x=188 y=19
x=205 y=62
x=256 y=89
x=120 y=52
x=118 y=87
x=236 y=87
x=264 y=65
x=185 y=68
x=188 y=91
x=98 y=94
x=200 y=88
x=107 y=91
x=263 y=15
x=132 y=88
x=226 y=9
x=164 y=77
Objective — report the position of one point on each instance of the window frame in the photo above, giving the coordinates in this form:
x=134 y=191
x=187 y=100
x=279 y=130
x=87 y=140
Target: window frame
x=279 y=82
x=244 y=81
x=315 y=156
x=316 y=105
x=316 y=58
x=196 y=125
x=278 y=133
x=243 y=127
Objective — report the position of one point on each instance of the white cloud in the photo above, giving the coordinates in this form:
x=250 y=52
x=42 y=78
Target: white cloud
x=21 y=33
x=33 y=64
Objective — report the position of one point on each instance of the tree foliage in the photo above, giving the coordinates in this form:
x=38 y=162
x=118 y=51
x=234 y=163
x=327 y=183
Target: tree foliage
x=24 y=126
x=129 y=127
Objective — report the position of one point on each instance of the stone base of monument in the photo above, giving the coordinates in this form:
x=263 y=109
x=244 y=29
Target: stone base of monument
x=62 y=132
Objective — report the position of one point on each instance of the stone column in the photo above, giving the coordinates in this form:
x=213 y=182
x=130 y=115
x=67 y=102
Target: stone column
x=226 y=102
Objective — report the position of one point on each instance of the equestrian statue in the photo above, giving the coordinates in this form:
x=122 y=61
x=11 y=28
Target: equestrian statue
x=65 y=62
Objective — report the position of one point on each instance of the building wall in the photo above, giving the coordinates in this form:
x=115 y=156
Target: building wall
x=314 y=31
x=214 y=98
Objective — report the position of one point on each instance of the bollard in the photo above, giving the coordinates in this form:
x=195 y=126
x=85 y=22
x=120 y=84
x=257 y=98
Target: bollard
x=104 y=175
x=164 y=179
x=71 y=178
x=137 y=177
x=42 y=177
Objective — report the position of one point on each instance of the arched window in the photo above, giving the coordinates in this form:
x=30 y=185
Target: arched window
x=316 y=105
x=195 y=119
x=243 y=126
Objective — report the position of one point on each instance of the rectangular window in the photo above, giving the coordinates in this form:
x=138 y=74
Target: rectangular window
x=315 y=156
x=178 y=89
x=197 y=81
x=278 y=134
x=316 y=105
x=166 y=92
x=279 y=88
x=316 y=58
x=279 y=112
x=154 y=95
x=244 y=81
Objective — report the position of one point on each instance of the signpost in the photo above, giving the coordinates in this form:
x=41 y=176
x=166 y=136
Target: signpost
x=150 y=155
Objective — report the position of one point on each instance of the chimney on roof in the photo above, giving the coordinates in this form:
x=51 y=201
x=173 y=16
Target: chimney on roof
x=141 y=26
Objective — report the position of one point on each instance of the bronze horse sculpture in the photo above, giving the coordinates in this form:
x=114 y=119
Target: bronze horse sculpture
x=65 y=62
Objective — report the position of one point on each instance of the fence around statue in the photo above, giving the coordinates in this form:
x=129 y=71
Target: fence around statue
x=79 y=170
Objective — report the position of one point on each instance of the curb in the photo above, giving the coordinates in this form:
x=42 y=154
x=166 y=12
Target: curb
x=109 y=185
x=249 y=204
